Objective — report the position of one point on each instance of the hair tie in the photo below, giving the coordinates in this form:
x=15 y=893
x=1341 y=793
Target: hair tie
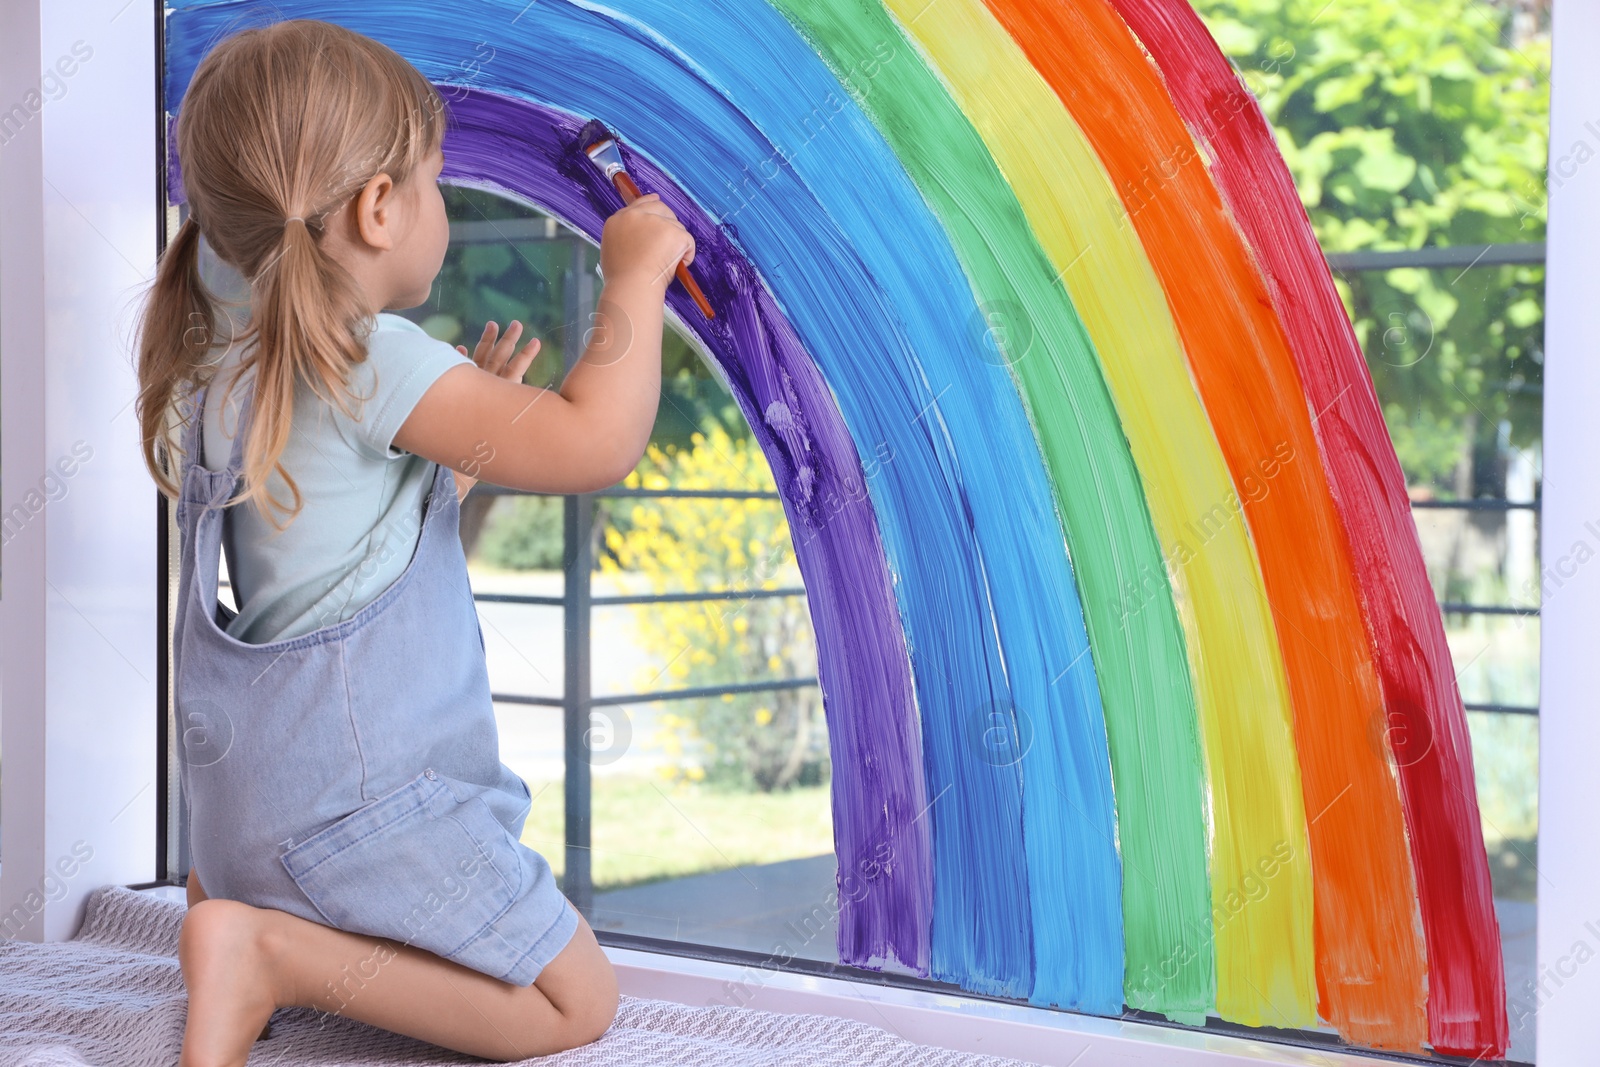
x=294 y=218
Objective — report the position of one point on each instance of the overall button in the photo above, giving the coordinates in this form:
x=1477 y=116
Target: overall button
x=429 y=775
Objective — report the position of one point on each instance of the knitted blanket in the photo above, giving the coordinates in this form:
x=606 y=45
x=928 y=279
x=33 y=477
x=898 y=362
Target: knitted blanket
x=113 y=997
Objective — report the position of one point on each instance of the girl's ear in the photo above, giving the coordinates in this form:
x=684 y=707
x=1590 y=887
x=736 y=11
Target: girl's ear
x=375 y=212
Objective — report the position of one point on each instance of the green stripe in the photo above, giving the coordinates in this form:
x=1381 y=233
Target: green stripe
x=1137 y=643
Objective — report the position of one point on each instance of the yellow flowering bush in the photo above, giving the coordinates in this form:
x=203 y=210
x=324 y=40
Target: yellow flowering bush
x=768 y=740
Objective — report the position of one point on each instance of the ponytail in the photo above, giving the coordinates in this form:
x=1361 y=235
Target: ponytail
x=307 y=321
x=176 y=332
x=281 y=125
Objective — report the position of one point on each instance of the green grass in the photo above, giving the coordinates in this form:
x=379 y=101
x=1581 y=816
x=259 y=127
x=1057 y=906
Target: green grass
x=646 y=830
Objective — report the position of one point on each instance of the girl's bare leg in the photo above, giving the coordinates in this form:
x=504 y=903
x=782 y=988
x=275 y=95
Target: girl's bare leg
x=196 y=893
x=241 y=963
x=193 y=889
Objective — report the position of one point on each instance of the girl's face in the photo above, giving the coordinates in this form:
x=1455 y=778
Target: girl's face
x=420 y=250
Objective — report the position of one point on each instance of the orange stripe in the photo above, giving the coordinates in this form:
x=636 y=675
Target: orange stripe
x=1370 y=968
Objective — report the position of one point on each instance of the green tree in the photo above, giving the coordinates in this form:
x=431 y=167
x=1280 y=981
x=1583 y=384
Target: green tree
x=1408 y=126
x=764 y=741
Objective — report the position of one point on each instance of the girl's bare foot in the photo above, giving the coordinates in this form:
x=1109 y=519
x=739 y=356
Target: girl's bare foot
x=226 y=953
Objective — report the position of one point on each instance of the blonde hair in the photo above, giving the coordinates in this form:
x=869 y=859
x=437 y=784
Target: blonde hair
x=281 y=125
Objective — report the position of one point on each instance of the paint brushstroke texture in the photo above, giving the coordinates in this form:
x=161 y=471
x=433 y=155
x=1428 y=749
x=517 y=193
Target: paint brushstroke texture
x=1263 y=949
x=1134 y=628
x=1423 y=718
x=1369 y=954
x=925 y=232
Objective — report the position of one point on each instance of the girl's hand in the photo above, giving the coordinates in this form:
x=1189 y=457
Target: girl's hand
x=644 y=243
x=591 y=431
x=500 y=357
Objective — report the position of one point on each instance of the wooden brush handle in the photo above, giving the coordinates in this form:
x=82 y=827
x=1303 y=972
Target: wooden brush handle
x=630 y=193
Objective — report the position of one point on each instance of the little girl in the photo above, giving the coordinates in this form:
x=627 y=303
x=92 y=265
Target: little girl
x=350 y=820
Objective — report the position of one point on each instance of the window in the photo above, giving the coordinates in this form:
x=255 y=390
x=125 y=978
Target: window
x=1427 y=195
x=1417 y=137
x=650 y=647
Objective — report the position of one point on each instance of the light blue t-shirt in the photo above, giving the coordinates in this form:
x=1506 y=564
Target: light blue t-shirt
x=361 y=498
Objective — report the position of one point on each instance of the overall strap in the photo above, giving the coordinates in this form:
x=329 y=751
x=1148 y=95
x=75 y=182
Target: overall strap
x=246 y=391
x=194 y=430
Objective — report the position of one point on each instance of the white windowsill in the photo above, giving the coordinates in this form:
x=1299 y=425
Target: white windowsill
x=1054 y=1038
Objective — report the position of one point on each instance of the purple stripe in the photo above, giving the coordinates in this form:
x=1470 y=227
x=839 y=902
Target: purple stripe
x=885 y=873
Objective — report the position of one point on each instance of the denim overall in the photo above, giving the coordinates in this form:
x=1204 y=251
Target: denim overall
x=351 y=776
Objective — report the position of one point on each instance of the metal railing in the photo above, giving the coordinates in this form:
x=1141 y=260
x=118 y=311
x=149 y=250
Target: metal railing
x=577 y=699
x=1454 y=607
x=1465 y=257
x=577 y=602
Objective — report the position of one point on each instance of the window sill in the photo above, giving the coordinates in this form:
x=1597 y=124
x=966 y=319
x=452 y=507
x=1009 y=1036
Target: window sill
x=1052 y=1038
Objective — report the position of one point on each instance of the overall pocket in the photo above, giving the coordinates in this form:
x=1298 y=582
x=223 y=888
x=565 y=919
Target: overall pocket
x=418 y=866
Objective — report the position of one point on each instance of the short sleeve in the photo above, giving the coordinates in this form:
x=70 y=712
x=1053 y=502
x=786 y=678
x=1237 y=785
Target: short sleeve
x=402 y=362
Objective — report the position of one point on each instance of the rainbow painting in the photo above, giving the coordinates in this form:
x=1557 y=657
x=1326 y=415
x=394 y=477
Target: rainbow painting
x=1137 y=692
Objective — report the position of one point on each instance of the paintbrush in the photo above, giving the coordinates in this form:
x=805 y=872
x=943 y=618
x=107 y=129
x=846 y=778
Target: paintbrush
x=601 y=148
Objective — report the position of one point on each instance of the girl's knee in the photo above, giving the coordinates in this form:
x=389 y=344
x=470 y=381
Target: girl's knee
x=581 y=984
x=211 y=926
x=593 y=1016
x=583 y=1022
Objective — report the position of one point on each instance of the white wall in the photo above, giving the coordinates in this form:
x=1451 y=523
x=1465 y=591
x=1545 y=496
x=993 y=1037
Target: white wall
x=78 y=566
x=1569 y=735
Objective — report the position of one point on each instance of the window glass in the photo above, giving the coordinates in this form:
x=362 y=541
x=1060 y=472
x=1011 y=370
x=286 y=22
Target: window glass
x=1417 y=135
x=707 y=817
x=659 y=633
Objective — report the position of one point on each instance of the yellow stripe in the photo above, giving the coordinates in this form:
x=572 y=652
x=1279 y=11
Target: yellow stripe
x=1261 y=867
